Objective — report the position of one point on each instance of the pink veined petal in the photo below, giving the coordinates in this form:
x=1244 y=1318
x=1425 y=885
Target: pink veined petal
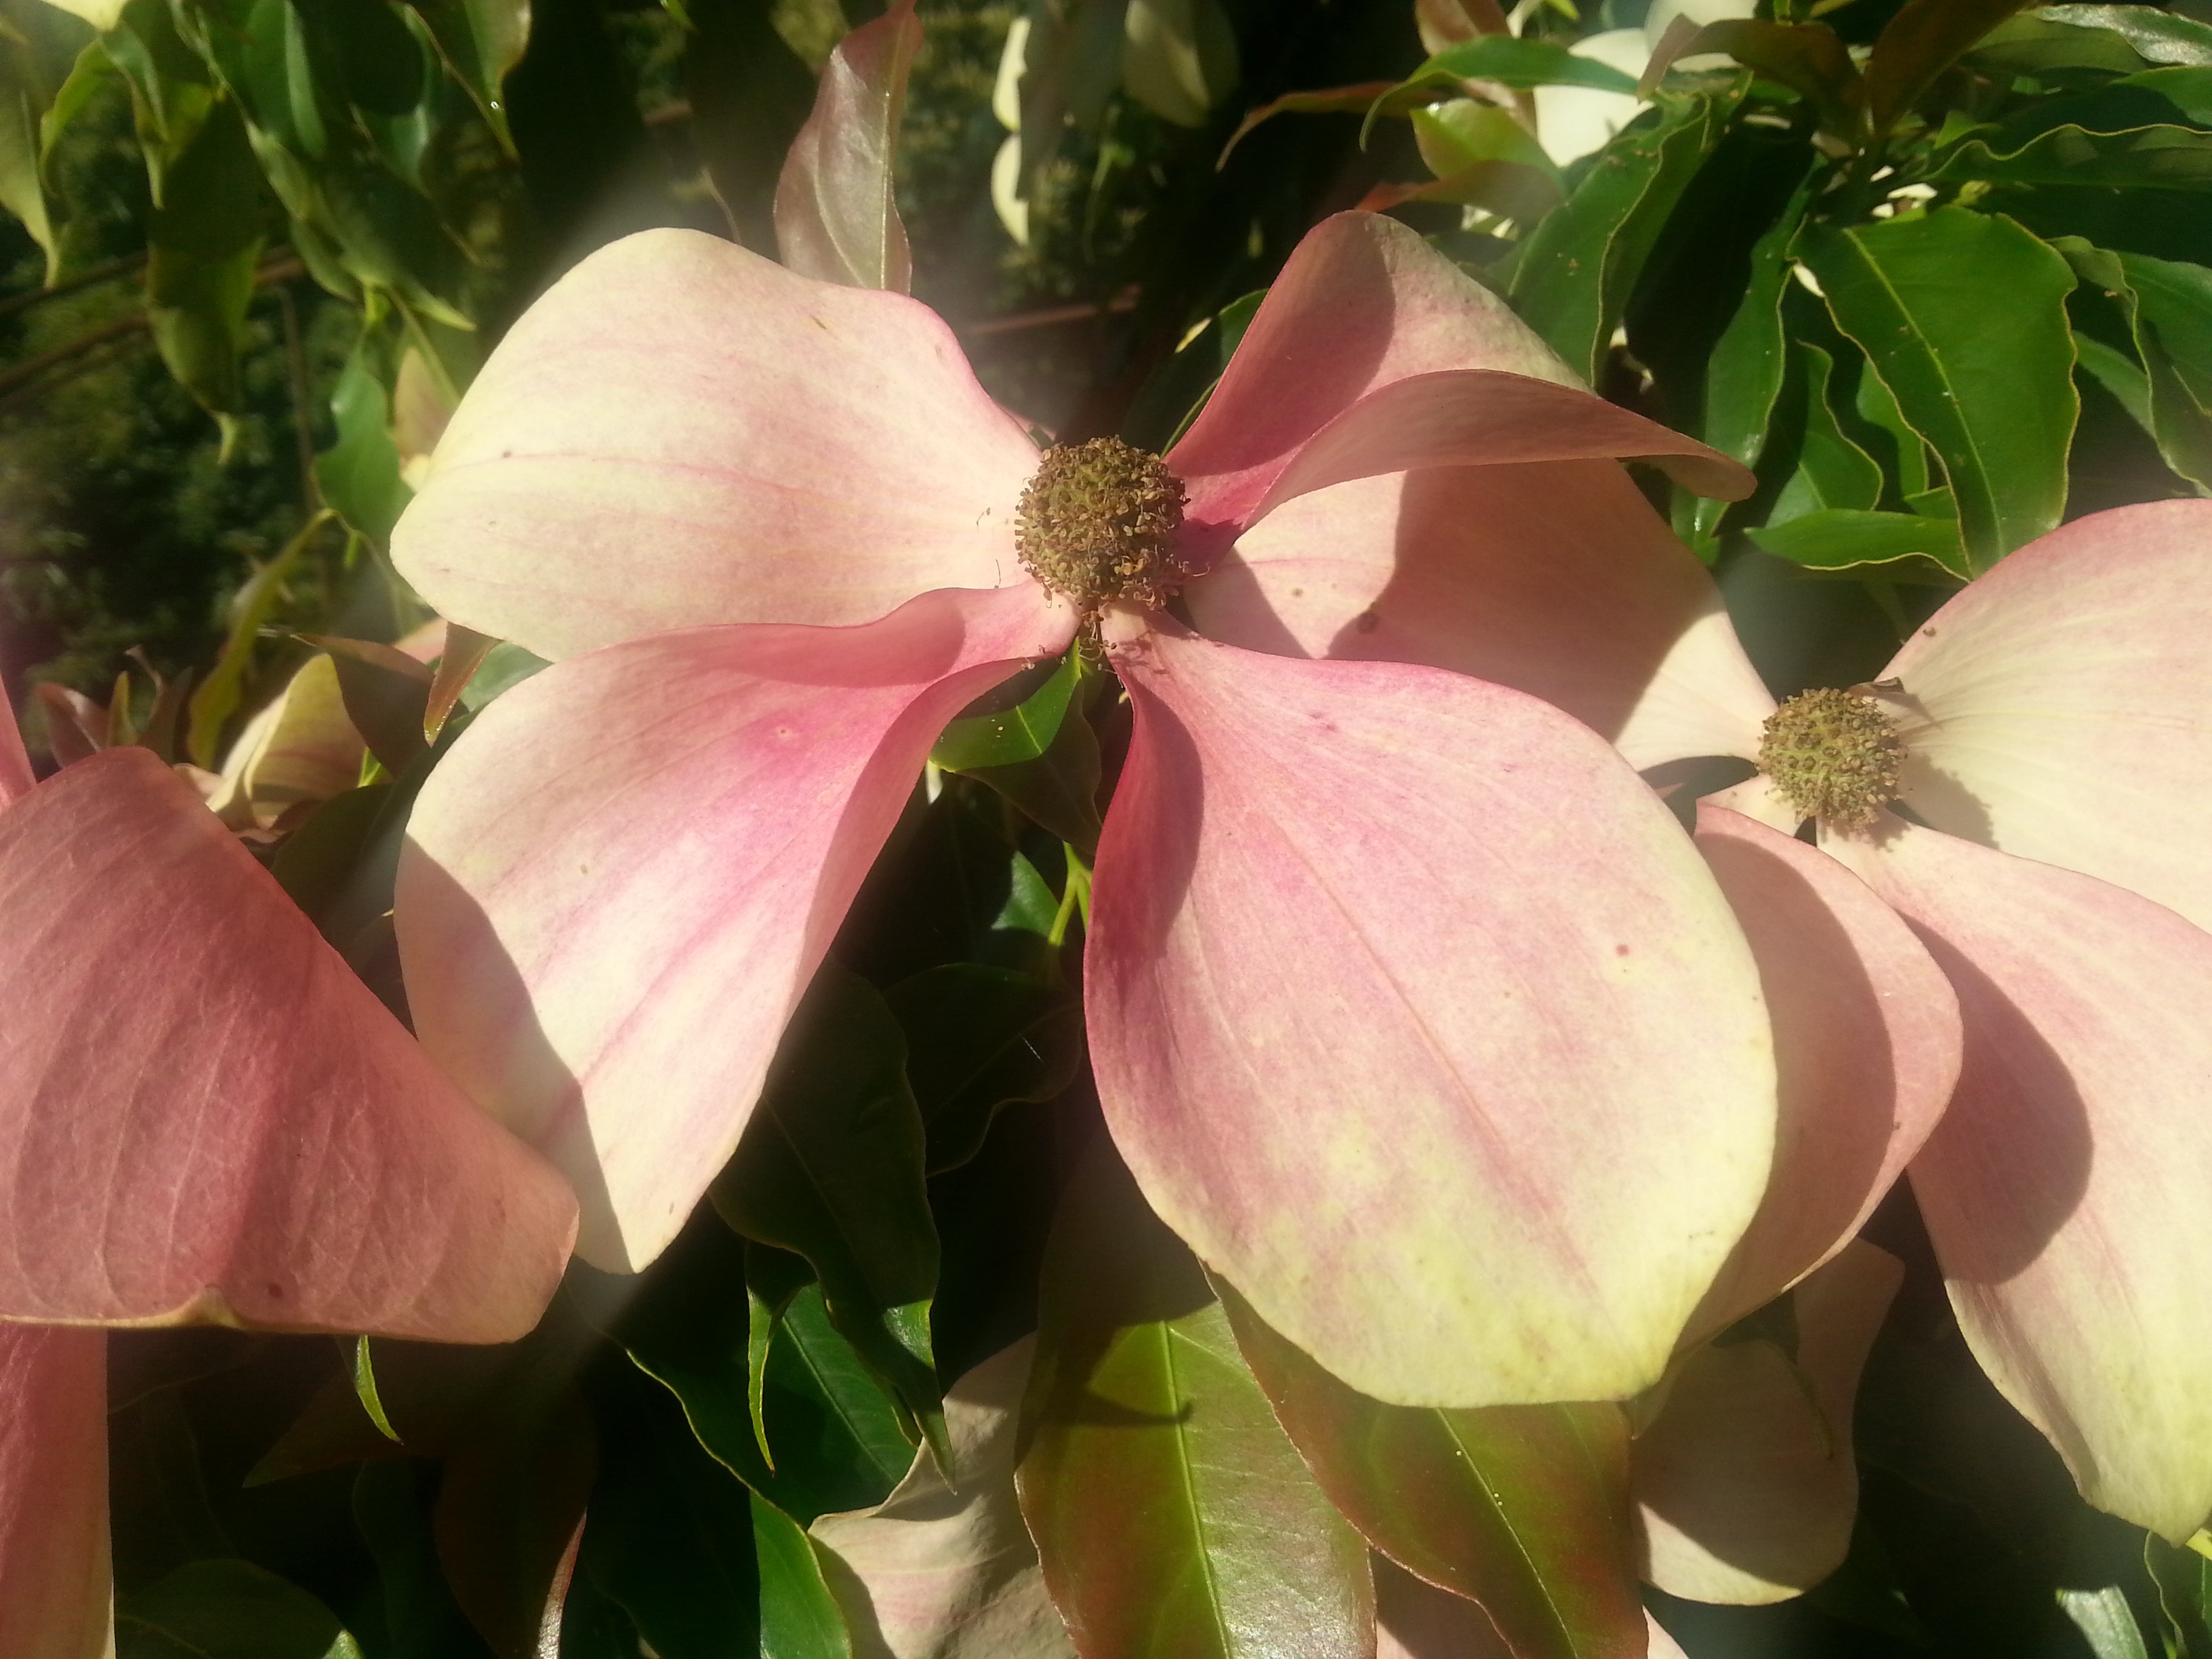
x=682 y=432
x=836 y=219
x=1867 y=1039
x=1356 y=928
x=2065 y=1189
x=2060 y=707
x=1555 y=578
x=205 y=1116
x=947 y=1571
x=618 y=882
x=56 y=1590
x=1745 y=1482
x=1363 y=301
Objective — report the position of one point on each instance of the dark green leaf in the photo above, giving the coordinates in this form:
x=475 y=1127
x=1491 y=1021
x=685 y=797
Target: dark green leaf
x=1178 y=389
x=2143 y=158
x=1019 y=732
x=171 y=90
x=204 y=243
x=2166 y=308
x=359 y=475
x=481 y=40
x=228 y=1609
x=799 y=1618
x=2160 y=36
x=668 y=1535
x=979 y=1038
x=1171 y=1514
x=2183 y=1578
x=1524 y=1508
x=1809 y=59
x=506 y=664
x=1744 y=374
x=1836 y=538
x=1963 y=315
x=1832 y=471
x=1573 y=276
x=392 y=1507
x=832 y=1168
x=833 y=1431
x=1925 y=37
x=386 y=693
x=23 y=104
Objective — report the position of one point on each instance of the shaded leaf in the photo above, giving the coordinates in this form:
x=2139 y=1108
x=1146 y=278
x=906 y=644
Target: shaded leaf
x=1523 y=1508
x=1171 y=1514
x=1572 y=277
x=480 y=40
x=216 y=699
x=1838 y=539
x=509 y=1501
x=832 y=1168
x=1520 y=64
x=1963 y=315
x=203 y=244
x=386 y=692
x=228 y=1609
x=359 y=475
x=1925 y=37
x=979 y=1038
x=1832 y=471
x=2167 y=308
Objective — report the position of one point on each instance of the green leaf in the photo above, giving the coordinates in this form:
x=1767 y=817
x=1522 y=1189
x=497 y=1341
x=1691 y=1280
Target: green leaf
x=2158 y=35
x=833 y=1430
x=1832 y=471
x=204 y=243
x=1572 y=278
x=392 y=1504
x=1022 y=732
x=23 y=105
x=481 y=40
x=1524 y=1508
x=228 y=1609
x=505 y=667
x=832 y=1168
x=1836 y=538
x=359 y=475
x=2167 y=387
x=1924 y=37
x=2104 y=1621
x=799 y=1618
x=1809 y=59
x=364 y=1388
x=2184 y=1579
x=1963 y=315
x=1169 y=401
x=668 y=1534
x=979 y=1038
x=172 y=92
x=2142 y=158
x=1744 y=375
x=1172 y=1516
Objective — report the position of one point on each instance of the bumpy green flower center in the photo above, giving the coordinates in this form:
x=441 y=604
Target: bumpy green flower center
x=1833 y=756
x=1098 y=523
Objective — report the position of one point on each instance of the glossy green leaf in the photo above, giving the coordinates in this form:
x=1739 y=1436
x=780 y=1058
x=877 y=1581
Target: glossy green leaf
x=392 y=1504
x=2184 y=1579
x=2167 y=309
x=1524 y=1508
x=481 y=40
x=1744 y=375
x=2141 y=158
x=1924 y=37
x=203 y=244
x=1573 y=275
x=799 y=1618
x=831 y=1430
x=1020 y=732
x=505 y=665
x=1832 y=471
x=228 y=1609
x=172 y=92
x=2158 y=35
x=359 y=475
x=2038 y=43
x=979 y=1038
x=668 y=1534
x=2106 y=1623
x=831 y=1168
x=1963 y=315
x=1172 y=1517
x=1838 y=539
x=365 y=1390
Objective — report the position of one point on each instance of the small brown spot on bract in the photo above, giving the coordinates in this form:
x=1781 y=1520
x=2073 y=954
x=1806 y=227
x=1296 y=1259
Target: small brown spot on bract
x=783 y=732
x=1368 y=620
x=1298 y=593
x=1620 y=949
x=276 y=1291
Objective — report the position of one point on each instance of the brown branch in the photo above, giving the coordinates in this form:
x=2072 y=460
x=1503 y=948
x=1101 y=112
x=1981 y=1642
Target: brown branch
x=100 y=273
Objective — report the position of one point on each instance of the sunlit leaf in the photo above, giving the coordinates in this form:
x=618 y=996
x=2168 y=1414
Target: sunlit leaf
x=836 y=217
x=1963 y=315
x=1524 y=1508
x=1171 y=1514
x=1836 y=538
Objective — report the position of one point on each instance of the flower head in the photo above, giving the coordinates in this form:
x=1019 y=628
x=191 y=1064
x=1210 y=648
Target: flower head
x=1354 y=923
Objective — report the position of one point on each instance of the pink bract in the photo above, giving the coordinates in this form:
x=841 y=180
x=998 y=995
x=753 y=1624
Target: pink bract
x=2057 y=717
x=1341 y=1062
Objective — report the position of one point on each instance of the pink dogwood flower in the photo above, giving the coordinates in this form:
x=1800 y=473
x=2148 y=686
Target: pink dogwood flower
x=2050 y=732
x=204 y=1117
x=1409 y=1005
